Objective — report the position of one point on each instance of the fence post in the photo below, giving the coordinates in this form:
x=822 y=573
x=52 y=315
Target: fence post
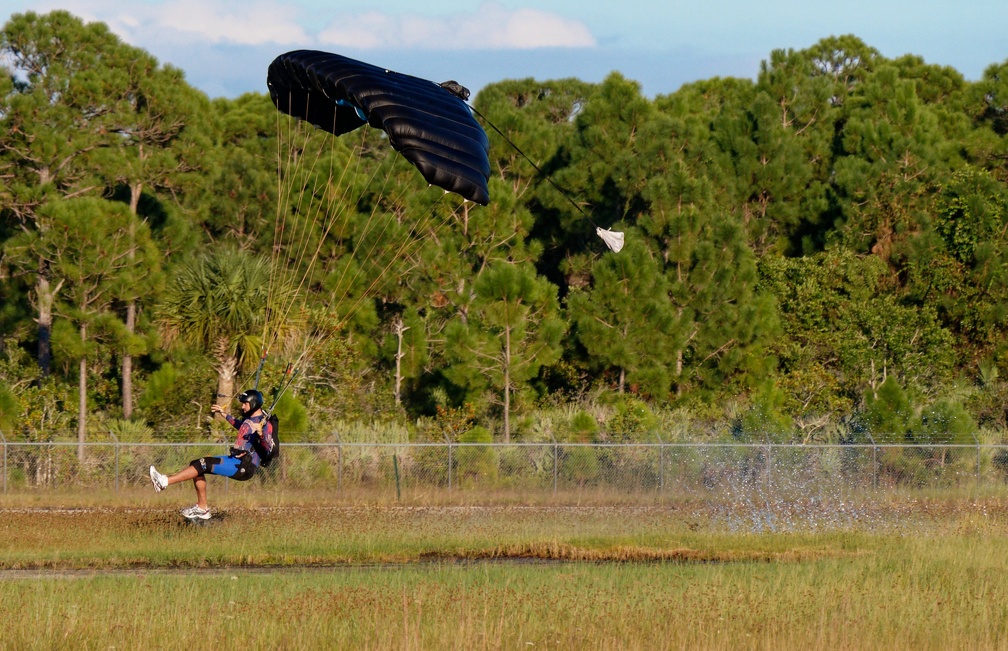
x=769 y=464
x=977 y=442
x=450 y=450
x=661 y=463
x=874 y=461
x=115 y=444
x=556 y=459
x=339 y=462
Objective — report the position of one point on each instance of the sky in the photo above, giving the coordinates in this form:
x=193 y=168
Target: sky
x=225 y=46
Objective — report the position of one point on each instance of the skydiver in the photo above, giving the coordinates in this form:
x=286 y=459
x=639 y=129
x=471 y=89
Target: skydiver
x=240 y=464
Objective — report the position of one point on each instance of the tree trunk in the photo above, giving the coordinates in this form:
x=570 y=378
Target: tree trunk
x=127 y=365
x=45 y=296
x=399 y=330
x=227 y=371
x=44 y=335
x=127 y=359
x=507 y=385
x=82 y=401
x=678 y=372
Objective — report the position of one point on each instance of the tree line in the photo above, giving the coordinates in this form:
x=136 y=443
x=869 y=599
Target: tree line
x=818 y=253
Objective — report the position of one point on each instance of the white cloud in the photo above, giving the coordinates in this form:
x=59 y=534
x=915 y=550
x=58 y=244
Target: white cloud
x=207 y=21
x=274 y=22
x=490 y=27
x=219 y=21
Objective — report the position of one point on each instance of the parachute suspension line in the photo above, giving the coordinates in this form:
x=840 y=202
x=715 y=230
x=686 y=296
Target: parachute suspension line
x=348 y=279
x=262 y=361
x=319 y=208
x=286 y=179
x=322 y=204
x=366 y=232
x=369 y=261
x=282 y=295
x=400 y=251
x=521 y=153
x=327 y=230
x=403 y=248
x=285 y=383
x=613 y=239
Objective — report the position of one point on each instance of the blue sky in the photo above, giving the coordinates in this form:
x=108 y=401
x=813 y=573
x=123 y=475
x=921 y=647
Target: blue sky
x=225 y=46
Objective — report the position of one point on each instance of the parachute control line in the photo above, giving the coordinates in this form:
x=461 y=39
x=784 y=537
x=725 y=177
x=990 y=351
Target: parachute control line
x=613 y=239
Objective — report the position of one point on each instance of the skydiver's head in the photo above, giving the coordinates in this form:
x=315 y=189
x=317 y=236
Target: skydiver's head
x=251 y=401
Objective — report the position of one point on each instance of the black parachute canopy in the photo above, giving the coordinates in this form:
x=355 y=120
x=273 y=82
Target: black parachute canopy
x=428 y=123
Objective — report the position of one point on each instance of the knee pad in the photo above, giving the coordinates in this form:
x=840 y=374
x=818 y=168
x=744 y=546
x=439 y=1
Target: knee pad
x=201 y=465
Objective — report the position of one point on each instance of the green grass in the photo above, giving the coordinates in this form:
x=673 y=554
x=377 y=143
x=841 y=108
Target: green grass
x=920 y=572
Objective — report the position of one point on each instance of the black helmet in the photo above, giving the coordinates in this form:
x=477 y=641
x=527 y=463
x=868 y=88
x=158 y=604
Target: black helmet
x=254 y=398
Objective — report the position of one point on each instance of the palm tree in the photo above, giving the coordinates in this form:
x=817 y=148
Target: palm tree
x=219 y=303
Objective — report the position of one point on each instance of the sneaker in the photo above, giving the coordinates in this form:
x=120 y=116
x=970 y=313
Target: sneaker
x=196 y=513
x=160 y=481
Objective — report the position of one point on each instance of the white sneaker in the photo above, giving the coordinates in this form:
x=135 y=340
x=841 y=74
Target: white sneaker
x=196 y=513
x=160 y=481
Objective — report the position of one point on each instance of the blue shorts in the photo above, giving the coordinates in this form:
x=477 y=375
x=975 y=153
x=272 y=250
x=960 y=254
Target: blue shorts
x=233 y=467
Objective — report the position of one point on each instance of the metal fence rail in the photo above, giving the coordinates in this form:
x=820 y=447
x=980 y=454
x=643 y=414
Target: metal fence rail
x=635 y=468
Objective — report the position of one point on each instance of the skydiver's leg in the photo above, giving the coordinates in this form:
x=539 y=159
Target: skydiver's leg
x=187 y=473
x=200 y=483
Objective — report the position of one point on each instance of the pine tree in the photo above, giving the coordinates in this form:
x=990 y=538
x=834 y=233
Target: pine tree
x=512 y=330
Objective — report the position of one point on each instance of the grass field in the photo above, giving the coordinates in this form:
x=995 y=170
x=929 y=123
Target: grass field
x=309 y=571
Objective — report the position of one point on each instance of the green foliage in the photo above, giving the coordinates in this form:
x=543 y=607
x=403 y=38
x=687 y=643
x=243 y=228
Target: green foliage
x=129 y=430
x=10 y=410
x=583 y=427
x=513 y=330
x=960 y=263
x=791 y=240
x=46 y=410
x=888 y=413
x=338 y=381
x=451 y=423
x=633 y=420
x=842 y=328
x=946 y=421
x=765 y=420
x=353 y=431
x=175 y=398
x=626 y=322
x=969 y=216
x=293 y=415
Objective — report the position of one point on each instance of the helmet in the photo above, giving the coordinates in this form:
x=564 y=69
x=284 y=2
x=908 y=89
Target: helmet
x=254 y=398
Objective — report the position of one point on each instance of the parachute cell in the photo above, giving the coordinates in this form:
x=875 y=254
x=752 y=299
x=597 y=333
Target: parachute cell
x=429 y=124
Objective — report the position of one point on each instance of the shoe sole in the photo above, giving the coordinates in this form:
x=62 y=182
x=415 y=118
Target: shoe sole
x=198 y=523
x=189 y=515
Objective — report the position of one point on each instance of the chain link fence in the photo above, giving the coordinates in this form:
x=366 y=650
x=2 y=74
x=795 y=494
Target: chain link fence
x=673 y=469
